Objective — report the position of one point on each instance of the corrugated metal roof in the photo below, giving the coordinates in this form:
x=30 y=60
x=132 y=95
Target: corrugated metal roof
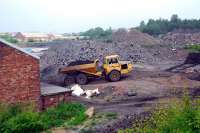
x=18 y=48
x=49 y=89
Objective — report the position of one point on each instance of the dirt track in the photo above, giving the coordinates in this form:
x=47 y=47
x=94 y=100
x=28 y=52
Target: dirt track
x=152 y=87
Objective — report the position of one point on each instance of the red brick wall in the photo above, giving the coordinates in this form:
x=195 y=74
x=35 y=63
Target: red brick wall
x=53 y=100
x=19 y=76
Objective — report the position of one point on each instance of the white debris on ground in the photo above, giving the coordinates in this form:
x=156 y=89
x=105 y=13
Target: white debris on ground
x=78 y=91
x=90 y=93
x=96 y=91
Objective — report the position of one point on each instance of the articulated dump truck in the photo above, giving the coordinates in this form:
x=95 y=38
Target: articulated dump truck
x=112 y=70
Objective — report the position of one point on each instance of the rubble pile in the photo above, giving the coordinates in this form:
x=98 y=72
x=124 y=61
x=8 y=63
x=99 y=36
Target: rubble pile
x=135 y=37
x=129 y=45
x=182 y=37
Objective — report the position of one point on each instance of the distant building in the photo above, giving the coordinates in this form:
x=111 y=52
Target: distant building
x=3 y=33
x=28 y=37
x=13 y=34
x=64 y=37
x=56 y=37
x=42 y=37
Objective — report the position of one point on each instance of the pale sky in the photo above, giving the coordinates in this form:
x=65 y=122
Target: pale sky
x=62 y=16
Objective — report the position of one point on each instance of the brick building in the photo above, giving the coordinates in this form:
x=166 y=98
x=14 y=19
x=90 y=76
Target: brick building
x=25 y=37
x=19 y=75
x=20 y=79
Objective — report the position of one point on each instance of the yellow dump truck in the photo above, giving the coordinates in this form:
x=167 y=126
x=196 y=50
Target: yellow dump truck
x=112 y=69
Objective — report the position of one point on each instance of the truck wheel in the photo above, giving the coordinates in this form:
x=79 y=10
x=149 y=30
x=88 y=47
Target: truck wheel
x=81 y=79
x=114 y=76
x=69 y=80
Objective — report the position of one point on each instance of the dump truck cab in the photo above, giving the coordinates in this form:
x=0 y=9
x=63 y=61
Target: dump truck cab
x=114 y=68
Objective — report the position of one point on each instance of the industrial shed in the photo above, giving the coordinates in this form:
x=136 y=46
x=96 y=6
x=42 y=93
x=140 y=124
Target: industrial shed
x=19 y=75
x=52 y=95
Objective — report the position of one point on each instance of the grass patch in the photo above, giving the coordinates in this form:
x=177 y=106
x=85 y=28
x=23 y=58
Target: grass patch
x=111 y=115
x=98 y=119
x=193 y=48
x=70 y=113
x=180 y=117
x=22 y=118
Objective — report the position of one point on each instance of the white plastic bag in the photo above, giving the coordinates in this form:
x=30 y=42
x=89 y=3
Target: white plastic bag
x=76 y=90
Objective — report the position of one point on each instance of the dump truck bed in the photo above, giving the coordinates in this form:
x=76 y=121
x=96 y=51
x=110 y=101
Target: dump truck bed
x=80 y=62
x=89 y=68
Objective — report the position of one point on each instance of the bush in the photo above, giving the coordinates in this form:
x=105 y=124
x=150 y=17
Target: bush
x=14 y=119
x=98 y=33
x=22 y=118
x=9 y=38
x=182 y=117
x=193 y=48
x=76 y=120
x=24 y=122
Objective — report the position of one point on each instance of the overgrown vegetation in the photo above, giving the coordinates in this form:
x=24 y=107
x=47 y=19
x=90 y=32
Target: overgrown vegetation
x=180 y=117
x=97 y=119
x=162 y=26
x=193 y=48
x=23 y=118
x=98 y=33
x=9 y=38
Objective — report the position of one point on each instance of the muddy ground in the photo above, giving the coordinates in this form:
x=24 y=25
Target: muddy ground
x=147 y=86
x=137 y=93
x=159 y=75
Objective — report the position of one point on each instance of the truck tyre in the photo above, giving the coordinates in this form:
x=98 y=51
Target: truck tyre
x=81 y=79
x=69 y=80
x=114 y=76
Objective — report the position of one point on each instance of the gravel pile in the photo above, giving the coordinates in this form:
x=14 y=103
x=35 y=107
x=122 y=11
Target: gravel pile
x=133 y=45
x=135 y=37
x=181 y=37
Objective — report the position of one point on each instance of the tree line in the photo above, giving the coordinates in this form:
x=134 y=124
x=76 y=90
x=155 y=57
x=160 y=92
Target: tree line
x=162 y=26
x=152 y=27
x=98 y=33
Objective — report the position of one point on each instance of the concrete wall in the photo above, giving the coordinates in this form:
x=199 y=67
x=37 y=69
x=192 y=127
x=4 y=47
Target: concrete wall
x=19 y=76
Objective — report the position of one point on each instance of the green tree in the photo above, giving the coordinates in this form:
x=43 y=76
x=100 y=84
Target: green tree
x=97 y=33
x=142 y=26
x=9 y=38
x=174 y=18
x=162 y=26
